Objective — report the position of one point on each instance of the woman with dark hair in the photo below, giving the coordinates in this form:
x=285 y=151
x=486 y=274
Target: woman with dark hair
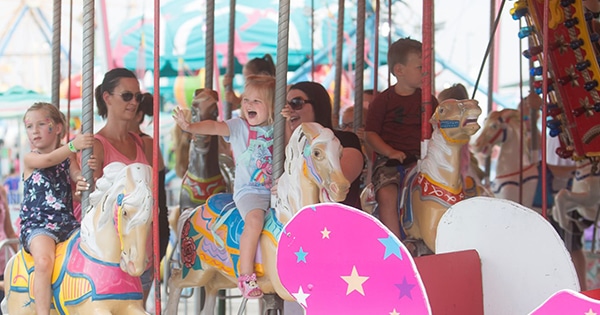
x=146 y=108
x=310 y=102
x=118 y=98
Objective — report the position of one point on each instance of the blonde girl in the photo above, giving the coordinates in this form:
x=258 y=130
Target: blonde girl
x=251 y=138
x=47 y=209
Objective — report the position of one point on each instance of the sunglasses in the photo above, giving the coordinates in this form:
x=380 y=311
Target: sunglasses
x=128 y=96
x=347 y=125
x=297 y=103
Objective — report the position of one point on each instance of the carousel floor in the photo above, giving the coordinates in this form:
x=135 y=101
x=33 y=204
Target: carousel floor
x=190 y=305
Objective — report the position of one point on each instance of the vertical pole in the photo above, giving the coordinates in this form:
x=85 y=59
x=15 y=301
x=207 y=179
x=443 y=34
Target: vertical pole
x=426 y=99
x=210 y=44
x=359 y=69
x=281 y=86
x=56 y=21
x=87 y=95
x=155 y=160
x=544 y=100
x=230 y=57
x=339 y=66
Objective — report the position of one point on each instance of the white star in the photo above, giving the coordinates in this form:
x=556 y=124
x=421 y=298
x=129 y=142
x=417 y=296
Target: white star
x=355 y=282
x=301 y=297
x=325 y=233
x=590 y=312
x=394 y=312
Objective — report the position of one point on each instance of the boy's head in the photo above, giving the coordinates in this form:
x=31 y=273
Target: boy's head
x=404 y=61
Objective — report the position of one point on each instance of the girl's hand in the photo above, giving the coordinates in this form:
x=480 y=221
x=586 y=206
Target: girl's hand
x=83 y=141
x=179 y=117
x=82 y=185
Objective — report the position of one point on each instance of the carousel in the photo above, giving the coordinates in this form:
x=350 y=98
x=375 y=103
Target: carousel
x=504 y=248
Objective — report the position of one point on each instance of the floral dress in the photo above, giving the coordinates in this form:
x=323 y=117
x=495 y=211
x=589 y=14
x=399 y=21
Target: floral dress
x=48 y=204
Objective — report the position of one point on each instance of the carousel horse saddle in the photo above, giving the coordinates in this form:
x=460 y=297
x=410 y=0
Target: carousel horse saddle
x=76 y=276
x=212 y=234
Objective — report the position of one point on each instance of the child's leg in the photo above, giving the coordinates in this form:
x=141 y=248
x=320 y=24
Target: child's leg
x=42 y=249
x=253 y=225
x=387 y=203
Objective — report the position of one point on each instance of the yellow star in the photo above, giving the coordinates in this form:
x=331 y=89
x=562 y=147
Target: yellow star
x=325 y=233
x=590 y=312
x=355 y=282
x=394 y=312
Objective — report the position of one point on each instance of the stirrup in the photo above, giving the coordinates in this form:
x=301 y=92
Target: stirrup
x=249 y=287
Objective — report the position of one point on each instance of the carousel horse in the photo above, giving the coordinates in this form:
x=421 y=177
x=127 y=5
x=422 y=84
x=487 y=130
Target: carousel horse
x=97 y=269
x=202 y=176
x=209 y=234
x=435 y=184
x=502 y=128
x=582 y=198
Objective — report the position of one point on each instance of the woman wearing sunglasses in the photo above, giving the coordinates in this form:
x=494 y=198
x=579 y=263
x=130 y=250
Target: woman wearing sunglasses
x=117 y=100
x=310 y=102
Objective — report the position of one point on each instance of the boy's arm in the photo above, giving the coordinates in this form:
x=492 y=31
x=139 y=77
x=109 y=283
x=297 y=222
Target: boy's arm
x=375 y=141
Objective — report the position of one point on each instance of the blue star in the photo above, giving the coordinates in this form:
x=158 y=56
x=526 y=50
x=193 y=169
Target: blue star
x=391 y=247
x=405 y=288
x=301 y=255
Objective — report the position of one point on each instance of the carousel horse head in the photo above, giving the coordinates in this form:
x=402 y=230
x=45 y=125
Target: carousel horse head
x=210 y=234
x=204 y=107
x=314 y=152
x=122 y=201
x=456 y=120
x=437 y=183
x=498 y=128
x=97 y=269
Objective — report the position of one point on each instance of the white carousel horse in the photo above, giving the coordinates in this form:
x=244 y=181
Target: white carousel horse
x=97 y=269
x=209 y=234
x=583 y=196
x=436 y=182
x=502 y=128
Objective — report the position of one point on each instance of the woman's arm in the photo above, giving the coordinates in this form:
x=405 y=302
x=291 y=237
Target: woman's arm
x=352 y=163
x=8 y=228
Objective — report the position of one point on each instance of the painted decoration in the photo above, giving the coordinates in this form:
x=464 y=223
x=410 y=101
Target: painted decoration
x=334 y=259
x=568 y=302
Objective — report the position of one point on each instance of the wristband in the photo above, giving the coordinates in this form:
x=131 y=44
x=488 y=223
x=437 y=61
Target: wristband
x=72 y=147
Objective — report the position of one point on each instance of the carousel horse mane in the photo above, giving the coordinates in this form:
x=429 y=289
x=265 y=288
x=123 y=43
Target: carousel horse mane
x=109 y=188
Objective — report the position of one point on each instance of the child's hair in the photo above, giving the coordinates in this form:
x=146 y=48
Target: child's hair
x=264 y=86
x=54 y=114
x=263 y=65
x=146 y=106
x=457 y=92
x=111 y=80
x=400 y=49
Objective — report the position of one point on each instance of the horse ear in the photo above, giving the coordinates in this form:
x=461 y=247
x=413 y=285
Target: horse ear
x=311 y=130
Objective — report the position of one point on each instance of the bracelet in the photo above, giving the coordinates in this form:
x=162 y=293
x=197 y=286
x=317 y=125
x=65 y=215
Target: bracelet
x=72 y=147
